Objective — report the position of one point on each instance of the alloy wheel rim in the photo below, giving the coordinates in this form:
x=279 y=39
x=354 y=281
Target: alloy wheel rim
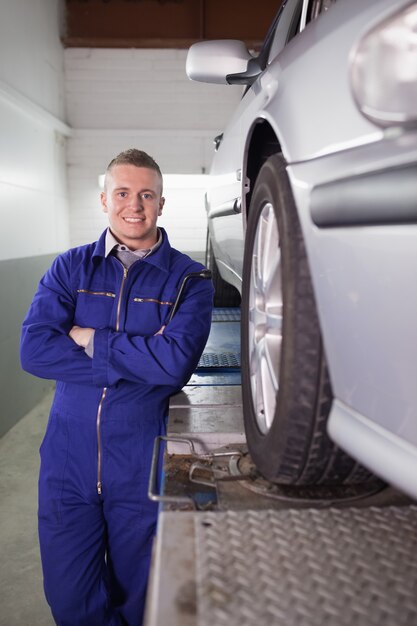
x=265 y=318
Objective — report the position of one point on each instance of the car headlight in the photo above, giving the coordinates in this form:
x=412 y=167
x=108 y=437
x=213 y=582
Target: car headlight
x=383 y=70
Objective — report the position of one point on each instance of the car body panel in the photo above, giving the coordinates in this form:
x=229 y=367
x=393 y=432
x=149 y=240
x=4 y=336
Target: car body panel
x=388 y=455
x=363 y=279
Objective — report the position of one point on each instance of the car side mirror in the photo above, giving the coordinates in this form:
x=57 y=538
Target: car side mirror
x=218 y=61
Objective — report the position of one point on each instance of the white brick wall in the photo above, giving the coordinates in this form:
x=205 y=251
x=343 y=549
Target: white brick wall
x=118 y=99
x=142 y=89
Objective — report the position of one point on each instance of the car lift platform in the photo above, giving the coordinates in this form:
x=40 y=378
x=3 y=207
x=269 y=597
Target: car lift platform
x=234 y=550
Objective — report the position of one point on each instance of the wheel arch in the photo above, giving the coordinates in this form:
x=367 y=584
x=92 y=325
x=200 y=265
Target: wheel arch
x=262 y=142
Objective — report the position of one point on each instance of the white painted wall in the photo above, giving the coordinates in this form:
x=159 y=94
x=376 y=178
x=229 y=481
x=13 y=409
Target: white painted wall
x=33 y=188
x=118 y=99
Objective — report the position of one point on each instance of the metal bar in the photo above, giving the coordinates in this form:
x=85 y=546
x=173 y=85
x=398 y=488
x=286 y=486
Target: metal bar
x=153 y=492
x=204 y=274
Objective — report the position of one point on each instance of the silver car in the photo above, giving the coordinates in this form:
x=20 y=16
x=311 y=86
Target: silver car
x=312 y=213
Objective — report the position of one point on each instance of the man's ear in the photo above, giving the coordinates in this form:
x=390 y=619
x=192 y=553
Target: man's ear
x=103 y=201
x=161 y=205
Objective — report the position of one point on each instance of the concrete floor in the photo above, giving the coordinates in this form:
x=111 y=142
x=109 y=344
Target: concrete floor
x=22 y=599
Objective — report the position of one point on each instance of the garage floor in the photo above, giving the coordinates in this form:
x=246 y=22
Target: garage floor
x=22 y=599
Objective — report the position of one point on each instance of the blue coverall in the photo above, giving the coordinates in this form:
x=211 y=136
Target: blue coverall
x=96 y=523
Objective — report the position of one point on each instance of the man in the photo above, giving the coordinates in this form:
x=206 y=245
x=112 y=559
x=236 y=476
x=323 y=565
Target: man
x=98 y=325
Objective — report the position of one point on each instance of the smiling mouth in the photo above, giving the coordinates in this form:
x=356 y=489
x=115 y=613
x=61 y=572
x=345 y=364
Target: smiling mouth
x=134 y=220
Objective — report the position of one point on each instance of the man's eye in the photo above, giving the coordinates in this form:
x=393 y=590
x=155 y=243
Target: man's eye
x=122 y=194
x=147 y=196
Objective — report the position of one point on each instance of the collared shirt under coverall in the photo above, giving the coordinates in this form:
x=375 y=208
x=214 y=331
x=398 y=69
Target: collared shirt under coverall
x=96 y=523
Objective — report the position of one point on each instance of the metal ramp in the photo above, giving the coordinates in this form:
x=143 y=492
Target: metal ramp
x=350 y=567
x=245 y=558
x=295 y=567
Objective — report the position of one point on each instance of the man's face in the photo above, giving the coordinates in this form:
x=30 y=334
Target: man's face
x=132 y=199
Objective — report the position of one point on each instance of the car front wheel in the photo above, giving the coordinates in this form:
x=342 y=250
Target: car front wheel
x=285 y=383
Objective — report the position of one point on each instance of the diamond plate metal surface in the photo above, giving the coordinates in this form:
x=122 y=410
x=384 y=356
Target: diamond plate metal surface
x=210 y=360
x=329 y=567
x=231 y=314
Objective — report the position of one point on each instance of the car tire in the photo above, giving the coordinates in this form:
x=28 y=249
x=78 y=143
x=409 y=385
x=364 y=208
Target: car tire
x=225 y=295
x=286 y=388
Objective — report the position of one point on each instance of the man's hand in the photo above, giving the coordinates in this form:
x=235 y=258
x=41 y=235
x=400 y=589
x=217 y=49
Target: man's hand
x=81 y=336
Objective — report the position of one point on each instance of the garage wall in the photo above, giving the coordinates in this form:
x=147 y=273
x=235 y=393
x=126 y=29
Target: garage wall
x=33 y=189
x=122 y=98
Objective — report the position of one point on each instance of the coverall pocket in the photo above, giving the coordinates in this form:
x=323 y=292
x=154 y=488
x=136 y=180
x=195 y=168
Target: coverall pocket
x=94 y=308
x=147 y=311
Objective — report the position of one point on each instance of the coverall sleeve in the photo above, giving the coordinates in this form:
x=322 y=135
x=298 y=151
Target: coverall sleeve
x=165 y=359
x=46 y=350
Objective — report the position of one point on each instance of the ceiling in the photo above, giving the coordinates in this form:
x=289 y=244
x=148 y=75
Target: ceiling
x=165 y=23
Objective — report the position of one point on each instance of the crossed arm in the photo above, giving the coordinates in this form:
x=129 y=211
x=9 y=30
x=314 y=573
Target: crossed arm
x=82 y=336
x=52 y=347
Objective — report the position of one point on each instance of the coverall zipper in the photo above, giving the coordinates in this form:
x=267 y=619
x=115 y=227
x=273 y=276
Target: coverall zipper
x=103 y=395
x=151 y=300
x=97 y=293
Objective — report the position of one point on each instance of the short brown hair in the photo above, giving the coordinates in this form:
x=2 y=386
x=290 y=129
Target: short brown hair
x=135 y=157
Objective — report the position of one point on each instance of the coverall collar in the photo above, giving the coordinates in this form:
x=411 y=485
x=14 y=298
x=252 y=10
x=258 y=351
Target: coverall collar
x=111 y=243
x=160 y=258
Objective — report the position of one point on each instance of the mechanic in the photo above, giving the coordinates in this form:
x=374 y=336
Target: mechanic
x=97 y=326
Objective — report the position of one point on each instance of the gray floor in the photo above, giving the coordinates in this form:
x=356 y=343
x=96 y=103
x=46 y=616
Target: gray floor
x=22 y=599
